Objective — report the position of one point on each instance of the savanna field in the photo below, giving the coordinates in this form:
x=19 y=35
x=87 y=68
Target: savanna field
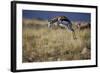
x=43 y=44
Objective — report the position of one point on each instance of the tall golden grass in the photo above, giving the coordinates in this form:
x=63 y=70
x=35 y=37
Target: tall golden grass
x=54 y=44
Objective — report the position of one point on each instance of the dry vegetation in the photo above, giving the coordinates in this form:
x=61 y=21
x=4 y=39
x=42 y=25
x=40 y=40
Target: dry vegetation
x=41 y=43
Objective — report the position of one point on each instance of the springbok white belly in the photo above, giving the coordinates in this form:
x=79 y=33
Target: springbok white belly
x=62 y=25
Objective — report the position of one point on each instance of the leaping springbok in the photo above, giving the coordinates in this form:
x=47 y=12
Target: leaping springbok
x=62 y=21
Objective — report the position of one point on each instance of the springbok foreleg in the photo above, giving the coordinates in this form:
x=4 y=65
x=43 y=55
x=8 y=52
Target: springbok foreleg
x=72 y=31
x=74 y=35
x=49 y=24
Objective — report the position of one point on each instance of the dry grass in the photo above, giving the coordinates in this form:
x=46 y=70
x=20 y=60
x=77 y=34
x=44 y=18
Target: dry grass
x=44 y=44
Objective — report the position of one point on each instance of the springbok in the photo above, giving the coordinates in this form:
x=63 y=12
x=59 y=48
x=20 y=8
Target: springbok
x=81 y=26
x=62 y=21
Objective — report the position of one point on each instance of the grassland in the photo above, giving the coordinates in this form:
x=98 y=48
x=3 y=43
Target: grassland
x=41 y=44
